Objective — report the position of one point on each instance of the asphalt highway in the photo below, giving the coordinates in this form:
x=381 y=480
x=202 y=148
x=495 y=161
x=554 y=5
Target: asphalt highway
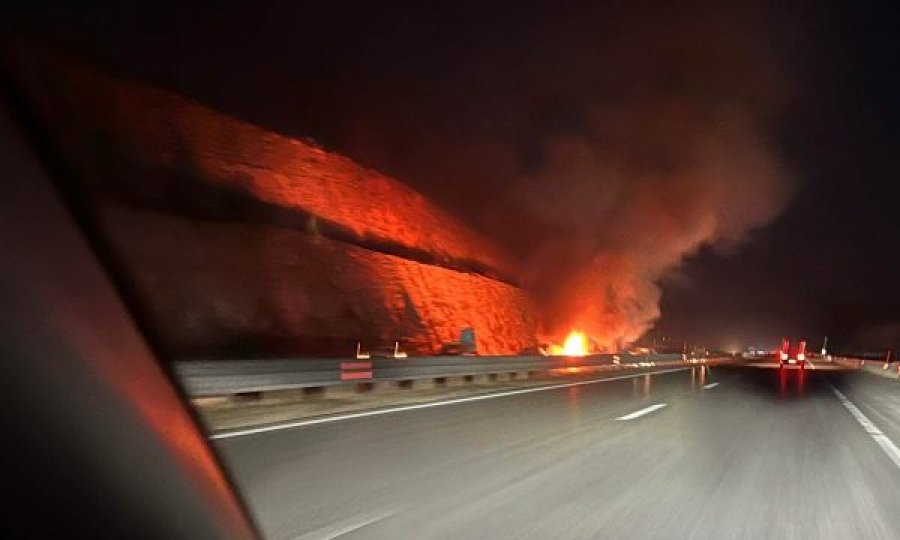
x=738 y=452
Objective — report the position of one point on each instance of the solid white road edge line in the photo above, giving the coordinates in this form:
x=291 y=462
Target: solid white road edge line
x=642 y=412
x=428 y=405
x=349 y=525
x=883 y=441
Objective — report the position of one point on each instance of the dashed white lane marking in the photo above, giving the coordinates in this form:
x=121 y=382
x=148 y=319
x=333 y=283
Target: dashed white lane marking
x=343 y=527
x=883 y=441
x=430 y=404
x=710 y=385
x=642 y=412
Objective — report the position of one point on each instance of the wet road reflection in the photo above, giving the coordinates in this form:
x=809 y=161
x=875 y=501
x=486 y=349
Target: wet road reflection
x=791 y=383
x=699 y=377
x=640 y=387
x=573 y=398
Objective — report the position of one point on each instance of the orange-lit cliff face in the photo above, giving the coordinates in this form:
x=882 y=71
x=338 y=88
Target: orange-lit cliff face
x=241 y=241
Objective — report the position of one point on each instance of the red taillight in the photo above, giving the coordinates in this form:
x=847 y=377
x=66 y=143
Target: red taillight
x=784 y=356
x=801 y=357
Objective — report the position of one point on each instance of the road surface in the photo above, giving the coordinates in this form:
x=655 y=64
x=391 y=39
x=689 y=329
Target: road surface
x=727 y=453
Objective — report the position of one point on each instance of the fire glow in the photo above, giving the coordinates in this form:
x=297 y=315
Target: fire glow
x=576 y=344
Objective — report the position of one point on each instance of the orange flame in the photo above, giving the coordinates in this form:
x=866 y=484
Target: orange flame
x=576 y=344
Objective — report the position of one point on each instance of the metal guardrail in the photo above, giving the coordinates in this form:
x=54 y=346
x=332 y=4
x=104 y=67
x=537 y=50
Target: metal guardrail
x=223 y=377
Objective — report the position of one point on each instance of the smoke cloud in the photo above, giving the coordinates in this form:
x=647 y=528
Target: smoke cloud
x=602 y=145
x=678 y=156
x=644 y=187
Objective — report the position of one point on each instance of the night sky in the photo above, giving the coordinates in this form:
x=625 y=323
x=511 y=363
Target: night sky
x=458 y=101
x=829 y=263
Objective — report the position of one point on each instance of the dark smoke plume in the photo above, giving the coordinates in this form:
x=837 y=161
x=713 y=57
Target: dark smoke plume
x=602 y=145
x=675 y=155
x=619 y=141
x=647 y=185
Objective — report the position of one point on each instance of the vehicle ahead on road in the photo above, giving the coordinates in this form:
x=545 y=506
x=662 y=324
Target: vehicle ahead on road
x=795 y=358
